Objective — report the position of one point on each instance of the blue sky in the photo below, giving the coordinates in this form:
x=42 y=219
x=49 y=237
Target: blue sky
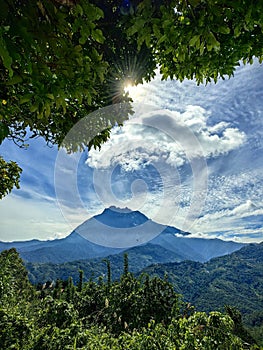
x=191 y=157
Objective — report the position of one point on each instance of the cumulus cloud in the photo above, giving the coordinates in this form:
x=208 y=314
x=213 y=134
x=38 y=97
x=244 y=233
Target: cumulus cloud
x=170 y=137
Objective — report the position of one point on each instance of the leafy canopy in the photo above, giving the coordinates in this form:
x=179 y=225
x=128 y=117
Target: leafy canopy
x=60 y=60
x=60 y=63
x=9 y=176
x=199 y=39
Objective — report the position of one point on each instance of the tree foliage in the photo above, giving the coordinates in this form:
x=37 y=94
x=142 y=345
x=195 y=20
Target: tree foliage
x=235 y=279
x=58 y=64
x=14 y=283
x=132 y=313
x=9 y=176
x=199 y=39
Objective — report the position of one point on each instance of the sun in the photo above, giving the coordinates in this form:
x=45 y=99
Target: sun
x=128 y=87
x=134 y=91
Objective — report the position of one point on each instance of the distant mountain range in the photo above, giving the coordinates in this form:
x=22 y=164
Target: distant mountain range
x=234 y=279
x=171 y=244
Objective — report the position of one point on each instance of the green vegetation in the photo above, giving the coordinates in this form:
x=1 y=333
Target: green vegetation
x=9 y=176
x=139 y=258
x=132 y=313
x=234 y=279
x=199 y=39
x=62 y=60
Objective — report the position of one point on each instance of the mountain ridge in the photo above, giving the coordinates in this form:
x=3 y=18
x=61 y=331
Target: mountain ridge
x=76 y=246
x=213 y=284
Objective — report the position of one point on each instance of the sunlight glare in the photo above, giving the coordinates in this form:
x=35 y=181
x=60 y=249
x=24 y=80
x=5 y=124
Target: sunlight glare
x=134 y=91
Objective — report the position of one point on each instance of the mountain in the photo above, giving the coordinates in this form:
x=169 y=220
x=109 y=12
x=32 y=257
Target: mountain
x=122 y=228
x=139 y=258
x=235 y=279
x=71 y=248
x=197 y=249
x=116 y=230
x=119 y=218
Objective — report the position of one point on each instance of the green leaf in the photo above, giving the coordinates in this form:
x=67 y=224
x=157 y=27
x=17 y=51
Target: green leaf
x=78 y=48
x=148 y=40
x=156 y=31
x=202 y=48
x=4 y=131
x=98 y=36
x=25 y=99
x=237 y=31
x=136 y=27
x=162 y=39
x=212 y=43
x=85 y=33
x=98 y=13
x=47 y=110
x=50 y=96
x=78 y=10
x=34 y=107
x=14 y=80
x=224 y=30
x=195 y=41
x=6 y=58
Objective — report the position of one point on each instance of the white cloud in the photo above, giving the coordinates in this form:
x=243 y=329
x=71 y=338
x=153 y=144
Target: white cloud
x=246 y=209
x=241 y=211
x=233 y=186
x=172 y=137
x=242 y=236
x=231 y=223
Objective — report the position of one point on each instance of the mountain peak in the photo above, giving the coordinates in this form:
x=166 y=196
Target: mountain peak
x=117 y=209
x=121 y=217
x=116 y=229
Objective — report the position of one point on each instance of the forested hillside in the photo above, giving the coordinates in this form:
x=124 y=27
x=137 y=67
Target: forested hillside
x=235 y=279
x=62 y=258
x=139 y=258
x=131 y=313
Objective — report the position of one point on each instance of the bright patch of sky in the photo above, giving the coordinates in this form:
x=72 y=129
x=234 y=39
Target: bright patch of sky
x=191 y=157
